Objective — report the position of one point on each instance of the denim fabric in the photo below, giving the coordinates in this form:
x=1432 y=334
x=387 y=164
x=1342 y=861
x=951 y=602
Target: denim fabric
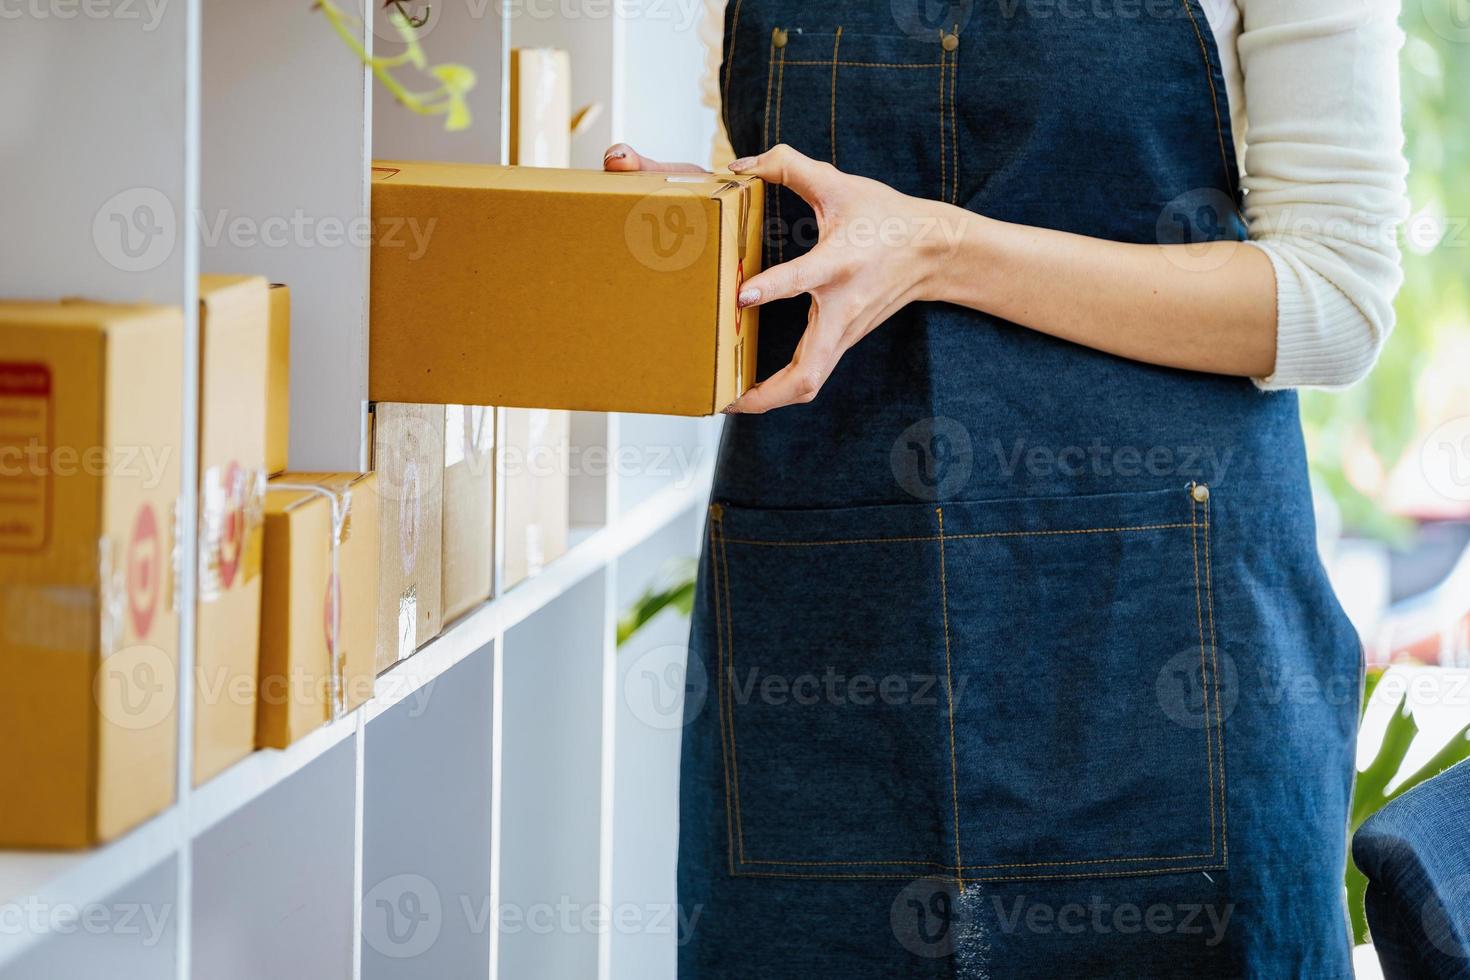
x=1416 y=854
x=1018 y=657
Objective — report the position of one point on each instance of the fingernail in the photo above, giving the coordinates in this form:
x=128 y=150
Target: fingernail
x=749 y=297
x=614 y=155
x=744 y=163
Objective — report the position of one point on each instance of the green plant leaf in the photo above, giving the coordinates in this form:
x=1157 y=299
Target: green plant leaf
x=413 y=52
x=1372 y=784
x=673 y=590
x=455 y=81
x=1457 y=750
x=456 y=78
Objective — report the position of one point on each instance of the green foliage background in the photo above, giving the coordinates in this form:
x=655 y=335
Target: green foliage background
x=1434 y=306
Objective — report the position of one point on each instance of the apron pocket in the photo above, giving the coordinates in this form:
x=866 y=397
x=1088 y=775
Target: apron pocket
x=994 y=690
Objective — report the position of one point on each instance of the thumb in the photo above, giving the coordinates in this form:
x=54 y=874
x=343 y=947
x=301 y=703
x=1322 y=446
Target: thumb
x=789 y=168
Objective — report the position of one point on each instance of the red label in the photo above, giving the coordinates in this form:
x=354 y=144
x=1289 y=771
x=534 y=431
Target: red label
x=25 y=455
x=232 y=525
x=25 y=379
x=145 y=574
x=739 y=285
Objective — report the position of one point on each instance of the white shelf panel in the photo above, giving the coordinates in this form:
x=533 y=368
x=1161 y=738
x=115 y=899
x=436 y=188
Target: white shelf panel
x=251 y=777
x=41 y=892
x=71 y=880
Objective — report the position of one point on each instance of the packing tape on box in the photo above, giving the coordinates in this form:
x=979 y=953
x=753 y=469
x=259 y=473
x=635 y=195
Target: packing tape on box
x=468 y=434
x=231 y=515
x=341 y=505
x=112 y=598
x=408 y=622
x=50 y=617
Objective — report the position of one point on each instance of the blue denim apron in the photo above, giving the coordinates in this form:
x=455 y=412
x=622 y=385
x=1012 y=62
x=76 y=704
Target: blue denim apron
x=1010 y=658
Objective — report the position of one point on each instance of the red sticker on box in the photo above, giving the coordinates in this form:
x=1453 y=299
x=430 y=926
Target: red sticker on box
x=232 y=525
x=739 y=285
x=144 y=575
x=25 y=455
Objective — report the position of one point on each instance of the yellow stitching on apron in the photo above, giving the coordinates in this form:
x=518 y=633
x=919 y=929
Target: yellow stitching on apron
x=953 y=537
x=780 y=222
x=730 y=692
x=1219 y=729
x=766 y=139
x=1215 y=103
x=954 y=769
x=730 y=57
x=720 y=688
x=954 y=132
x=770 y=76
x=943 y=58
x=891 y=877
x=981 y=867
x=836 y=43
x=867 y=64
x=1203 y=675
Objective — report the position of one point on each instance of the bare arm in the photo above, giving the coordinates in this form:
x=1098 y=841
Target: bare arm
x=1200 y=307
x=1207 y=307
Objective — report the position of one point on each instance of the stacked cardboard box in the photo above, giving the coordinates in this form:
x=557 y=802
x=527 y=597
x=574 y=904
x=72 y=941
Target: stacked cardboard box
x=319 y=621
x=89 y=479
x=278 y=382
x=469 y=509
x=536 y=465
x=234 y=334
x=564 y=289
x=408 y=455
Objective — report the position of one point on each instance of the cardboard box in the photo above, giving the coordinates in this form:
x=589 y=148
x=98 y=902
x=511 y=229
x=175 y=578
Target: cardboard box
x=319 y=610
x=408 y=455
x=564 y=289
x=91 y=403
x=535 y=462
x=278 y=382
x=234 y=348
x=469 y=509
x=540 y=107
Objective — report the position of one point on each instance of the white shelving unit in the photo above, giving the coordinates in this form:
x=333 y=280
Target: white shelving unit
x=499 y=771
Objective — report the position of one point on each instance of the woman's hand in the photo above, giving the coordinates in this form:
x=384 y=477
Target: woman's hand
x=877 y=251
x=1201 y=307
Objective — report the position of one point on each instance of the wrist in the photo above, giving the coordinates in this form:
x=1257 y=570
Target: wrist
x=948 y=240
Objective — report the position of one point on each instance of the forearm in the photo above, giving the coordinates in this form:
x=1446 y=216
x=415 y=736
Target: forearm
x=1208 y=307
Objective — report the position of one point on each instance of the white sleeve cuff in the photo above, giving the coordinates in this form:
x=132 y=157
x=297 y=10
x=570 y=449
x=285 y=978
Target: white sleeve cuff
x=1323 y=340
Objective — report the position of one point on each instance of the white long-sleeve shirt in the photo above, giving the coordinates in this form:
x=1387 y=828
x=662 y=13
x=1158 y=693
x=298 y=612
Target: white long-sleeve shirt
x=1314 y=103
